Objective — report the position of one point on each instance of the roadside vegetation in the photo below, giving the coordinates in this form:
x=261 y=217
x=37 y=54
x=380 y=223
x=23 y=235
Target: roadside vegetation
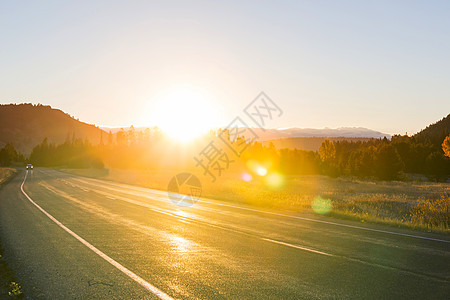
x=6 y=174
x=9 y=287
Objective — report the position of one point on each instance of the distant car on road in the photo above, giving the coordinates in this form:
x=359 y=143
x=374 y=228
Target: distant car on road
x=29 y=167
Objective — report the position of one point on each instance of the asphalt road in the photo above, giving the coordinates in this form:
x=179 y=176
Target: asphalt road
x=80 y=238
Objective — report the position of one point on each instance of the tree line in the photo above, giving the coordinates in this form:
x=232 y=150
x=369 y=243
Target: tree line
x=387 y=159
x=9 y=155
x=75 y=153
x=382 y=159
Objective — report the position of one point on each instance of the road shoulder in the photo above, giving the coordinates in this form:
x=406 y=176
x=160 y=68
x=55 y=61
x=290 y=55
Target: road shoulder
x=9 y=287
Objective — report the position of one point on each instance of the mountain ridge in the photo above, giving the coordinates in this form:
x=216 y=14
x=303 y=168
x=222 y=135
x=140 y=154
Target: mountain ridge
x=26 y=125
x=293 y=132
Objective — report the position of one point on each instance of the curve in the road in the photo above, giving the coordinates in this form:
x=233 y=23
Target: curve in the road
x=148 y=286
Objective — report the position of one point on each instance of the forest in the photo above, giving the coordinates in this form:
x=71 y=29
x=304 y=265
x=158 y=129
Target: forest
x=426 y=153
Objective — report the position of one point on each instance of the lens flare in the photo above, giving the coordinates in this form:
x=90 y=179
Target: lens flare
x=275 y=180
x=247 y=177
x=256 y=167
x=261 y=171
x=321 y=206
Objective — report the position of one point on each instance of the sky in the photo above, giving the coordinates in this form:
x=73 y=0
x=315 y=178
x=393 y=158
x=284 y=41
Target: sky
x=383 y=65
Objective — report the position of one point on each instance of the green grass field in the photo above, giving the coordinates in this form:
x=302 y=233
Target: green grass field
x=420 y=205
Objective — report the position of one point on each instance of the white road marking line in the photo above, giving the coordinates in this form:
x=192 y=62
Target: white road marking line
x=273 y=241
x=297 y=247
x=151 y=288
x=125 y=186
x=328 y=222
x=357 y=260
x=297 y=217
x=214 y=225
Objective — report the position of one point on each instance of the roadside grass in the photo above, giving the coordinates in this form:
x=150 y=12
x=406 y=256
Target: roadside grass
x=417 y=205
x=6 y=174
x=9 y=288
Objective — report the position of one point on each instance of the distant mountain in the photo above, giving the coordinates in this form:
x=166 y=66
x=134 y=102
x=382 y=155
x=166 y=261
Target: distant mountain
x=308 y=143
x=311 y=138
x=343 y=132
x=297 y=138
x=436 y=132
x=125 y=128
x=270 y=134
x=26 y=125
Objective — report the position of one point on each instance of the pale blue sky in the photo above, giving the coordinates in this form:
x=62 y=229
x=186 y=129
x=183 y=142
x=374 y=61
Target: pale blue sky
x=384 y=65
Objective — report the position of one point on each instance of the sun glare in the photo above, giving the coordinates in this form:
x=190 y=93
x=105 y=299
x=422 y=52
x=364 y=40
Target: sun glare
x=184 y=113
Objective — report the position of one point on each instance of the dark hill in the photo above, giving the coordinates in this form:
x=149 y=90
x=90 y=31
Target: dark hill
x=435 y=133
x=26 y=125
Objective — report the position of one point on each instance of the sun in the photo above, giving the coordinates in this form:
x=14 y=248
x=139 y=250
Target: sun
x=184 y=113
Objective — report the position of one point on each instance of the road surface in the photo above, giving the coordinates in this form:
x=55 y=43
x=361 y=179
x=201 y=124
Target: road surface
x=70 y=237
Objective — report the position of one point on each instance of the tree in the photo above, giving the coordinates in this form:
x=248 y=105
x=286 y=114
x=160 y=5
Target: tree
x=361 y=162
x=388 y=163
x=121 y=137
x=110 y=138
x=327 y=154
x=446 y=146
x=437 y=166
x=131 y=135
x=43 y=154
x=76 y=154
x=9 y=154
x=327 y=151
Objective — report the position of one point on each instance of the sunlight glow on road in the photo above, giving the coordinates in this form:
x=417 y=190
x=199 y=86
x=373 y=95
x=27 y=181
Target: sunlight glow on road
x=183 y=214
x=180 y=244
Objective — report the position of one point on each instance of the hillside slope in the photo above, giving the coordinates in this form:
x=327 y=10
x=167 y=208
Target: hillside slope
x=26 y=125
x=436 y=132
